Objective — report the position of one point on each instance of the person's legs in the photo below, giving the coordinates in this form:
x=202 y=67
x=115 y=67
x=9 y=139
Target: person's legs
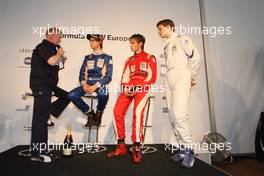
x=178 y=155
x=120 y=110
x=140 y=101
x=169 y=99
x=179 y=105
x=41 y=113
x=75 y=96
x=61 y=103
x=103 y=96
x=180 y=88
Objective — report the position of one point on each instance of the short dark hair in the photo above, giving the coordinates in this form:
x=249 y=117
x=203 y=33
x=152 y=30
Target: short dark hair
x=100 y=41
x=139 y=38
x=166 y=22
x=53 y=30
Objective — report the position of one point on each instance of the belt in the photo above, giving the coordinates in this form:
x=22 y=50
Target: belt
x=94 y=79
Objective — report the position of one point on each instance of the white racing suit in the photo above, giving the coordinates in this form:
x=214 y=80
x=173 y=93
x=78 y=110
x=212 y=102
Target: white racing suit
x=182 y=63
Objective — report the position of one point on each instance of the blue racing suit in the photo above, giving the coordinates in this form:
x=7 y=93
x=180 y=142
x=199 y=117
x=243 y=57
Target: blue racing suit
x=97 y=69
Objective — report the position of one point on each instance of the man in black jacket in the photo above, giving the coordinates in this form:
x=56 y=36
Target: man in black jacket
x=45 y=65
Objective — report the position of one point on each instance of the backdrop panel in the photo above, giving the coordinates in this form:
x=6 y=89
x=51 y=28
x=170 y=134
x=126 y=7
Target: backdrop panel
x=237 y=64
x=115 y=19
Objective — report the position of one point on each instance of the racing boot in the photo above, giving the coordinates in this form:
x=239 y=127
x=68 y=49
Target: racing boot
x=136 y=153
x=119 y=151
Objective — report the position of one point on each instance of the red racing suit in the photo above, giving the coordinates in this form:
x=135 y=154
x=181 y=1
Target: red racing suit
x=140 y=72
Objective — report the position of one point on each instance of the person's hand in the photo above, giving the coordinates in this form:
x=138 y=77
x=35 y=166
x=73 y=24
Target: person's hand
x=91 y=89
x=60 y=52
x=193 y=83
x=85 y=87
x=129 y=94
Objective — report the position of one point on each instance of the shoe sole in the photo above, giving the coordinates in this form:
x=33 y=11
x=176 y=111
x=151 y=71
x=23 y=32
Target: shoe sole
x=137 y=162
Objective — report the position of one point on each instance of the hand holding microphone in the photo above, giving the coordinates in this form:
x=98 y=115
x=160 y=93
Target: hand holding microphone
x=59 y=51
x=63 y=58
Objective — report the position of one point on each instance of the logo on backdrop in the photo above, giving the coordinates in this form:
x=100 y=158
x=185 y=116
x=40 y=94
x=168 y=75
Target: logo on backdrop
x=26 y=57
x=164 y=108
x=163 y=71
x=26 y=106
x=162 y=66
x=26 y=51
x=108 y=37
x=27 y=61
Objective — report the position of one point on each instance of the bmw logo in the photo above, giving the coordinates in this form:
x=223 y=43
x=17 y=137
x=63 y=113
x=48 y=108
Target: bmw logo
x=27 y=60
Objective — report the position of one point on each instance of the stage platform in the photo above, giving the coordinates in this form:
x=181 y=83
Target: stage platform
x=156 y=164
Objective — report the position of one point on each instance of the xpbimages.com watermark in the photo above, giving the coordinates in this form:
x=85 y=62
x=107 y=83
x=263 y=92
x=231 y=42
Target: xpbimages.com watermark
x=212 y=148
x=116 y=88
x=79 y=147
x=211 y=31
x=188 y=29
x=172 y=148
x=70 y=30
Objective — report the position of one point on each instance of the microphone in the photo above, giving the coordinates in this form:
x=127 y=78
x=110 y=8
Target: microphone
x=62 y=59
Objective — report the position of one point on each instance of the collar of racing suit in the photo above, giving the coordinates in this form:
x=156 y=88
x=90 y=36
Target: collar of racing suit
x=171 y=38
x=139 y=54
x=98 y=53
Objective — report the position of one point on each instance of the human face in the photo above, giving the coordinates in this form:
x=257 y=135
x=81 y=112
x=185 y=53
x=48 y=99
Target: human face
x=94 y=44
x=135 y=46
x=164 y=31
x=55 y=37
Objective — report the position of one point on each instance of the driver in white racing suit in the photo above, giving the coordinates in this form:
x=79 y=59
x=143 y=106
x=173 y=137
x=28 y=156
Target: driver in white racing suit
x=182 y=65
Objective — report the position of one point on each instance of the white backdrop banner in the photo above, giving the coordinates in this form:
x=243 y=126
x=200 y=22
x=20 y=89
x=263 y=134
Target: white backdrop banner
x=20 y=22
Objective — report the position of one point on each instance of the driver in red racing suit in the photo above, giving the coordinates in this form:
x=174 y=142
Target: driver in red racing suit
x=138 y=75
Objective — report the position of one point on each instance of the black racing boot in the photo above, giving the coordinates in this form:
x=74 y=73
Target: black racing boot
x=90 y=118
x=98 y=118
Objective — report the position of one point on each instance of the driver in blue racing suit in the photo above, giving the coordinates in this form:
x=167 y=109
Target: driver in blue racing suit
x=95 y=73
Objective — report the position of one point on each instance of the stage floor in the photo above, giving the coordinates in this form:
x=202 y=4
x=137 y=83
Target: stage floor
x=156 y=164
